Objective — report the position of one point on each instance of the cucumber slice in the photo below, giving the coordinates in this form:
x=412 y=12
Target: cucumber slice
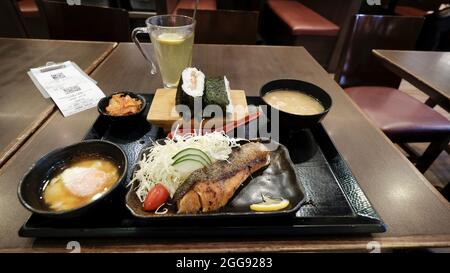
x=188 y=165
x=194 y=151
x=191 y=156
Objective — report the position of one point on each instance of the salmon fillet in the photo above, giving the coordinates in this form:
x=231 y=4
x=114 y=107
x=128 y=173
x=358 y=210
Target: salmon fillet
x=211 y=188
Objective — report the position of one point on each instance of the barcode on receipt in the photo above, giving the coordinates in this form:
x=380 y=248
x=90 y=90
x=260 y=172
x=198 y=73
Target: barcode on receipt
x=71 y=89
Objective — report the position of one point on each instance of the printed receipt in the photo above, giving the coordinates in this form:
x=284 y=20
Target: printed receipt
x=68 y=86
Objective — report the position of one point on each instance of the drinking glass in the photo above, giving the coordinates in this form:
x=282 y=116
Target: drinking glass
x=172 y=37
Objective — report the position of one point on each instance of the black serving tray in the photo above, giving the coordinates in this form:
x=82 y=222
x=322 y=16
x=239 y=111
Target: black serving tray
x=335 y=204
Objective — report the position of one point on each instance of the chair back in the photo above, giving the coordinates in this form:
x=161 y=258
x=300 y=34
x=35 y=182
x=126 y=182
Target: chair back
x=11 y=21
x=225 y=26
x=89 y=23
x=358 y=66
x=435 y=33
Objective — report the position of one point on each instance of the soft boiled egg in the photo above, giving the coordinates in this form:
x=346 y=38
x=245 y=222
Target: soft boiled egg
x=80 y=183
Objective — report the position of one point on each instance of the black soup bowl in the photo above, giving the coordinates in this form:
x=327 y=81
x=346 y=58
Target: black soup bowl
x=32 y=184
x=104 y=102
x=294 y=121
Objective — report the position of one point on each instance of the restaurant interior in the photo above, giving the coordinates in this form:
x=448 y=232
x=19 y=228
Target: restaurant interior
x=369 y=171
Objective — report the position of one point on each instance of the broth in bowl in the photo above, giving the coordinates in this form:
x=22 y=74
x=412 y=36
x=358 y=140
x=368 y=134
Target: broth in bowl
x=294 y=102
x=81 y=183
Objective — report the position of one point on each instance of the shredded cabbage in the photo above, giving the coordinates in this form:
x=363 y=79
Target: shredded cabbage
x=156 y=164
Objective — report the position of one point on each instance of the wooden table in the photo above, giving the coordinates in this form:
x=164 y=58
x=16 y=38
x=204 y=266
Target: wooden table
x=22 y=107
x=415 y=213
x=427 y=71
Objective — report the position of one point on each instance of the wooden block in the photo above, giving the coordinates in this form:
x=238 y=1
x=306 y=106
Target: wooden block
x=162 y=110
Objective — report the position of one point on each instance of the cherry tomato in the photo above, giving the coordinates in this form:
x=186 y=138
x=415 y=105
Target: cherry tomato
x=156 y=197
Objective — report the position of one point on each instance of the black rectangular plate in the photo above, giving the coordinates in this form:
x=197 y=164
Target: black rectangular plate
x=335 y=204
x=286 y=184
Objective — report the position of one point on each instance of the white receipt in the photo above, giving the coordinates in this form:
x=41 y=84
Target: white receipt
x=68 y=86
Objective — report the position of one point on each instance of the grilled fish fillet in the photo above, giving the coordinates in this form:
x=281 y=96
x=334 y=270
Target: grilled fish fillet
x=211 y=188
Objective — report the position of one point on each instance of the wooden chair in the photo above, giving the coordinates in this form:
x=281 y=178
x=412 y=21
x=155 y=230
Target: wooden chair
x=375 y=90
x=225 y=26
x=88 y=23
x=11 y=21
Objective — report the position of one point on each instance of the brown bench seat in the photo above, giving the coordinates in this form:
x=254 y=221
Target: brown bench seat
x=302 y=20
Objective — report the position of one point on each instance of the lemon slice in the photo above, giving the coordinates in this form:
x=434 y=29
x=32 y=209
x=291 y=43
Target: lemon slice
x=270 y=204
x=170 y=38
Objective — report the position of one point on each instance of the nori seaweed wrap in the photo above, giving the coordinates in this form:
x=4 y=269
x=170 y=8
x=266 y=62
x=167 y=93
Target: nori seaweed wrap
x=217 y=92
x=197 y=93
x=190 y=89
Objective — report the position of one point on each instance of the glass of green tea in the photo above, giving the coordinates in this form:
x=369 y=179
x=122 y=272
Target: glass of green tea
x=172 y=37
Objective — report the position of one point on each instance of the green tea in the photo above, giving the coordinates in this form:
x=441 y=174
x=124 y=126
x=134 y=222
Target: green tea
x=174 y=53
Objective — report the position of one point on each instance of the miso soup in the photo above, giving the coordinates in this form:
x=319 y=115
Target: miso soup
x=294 y=102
